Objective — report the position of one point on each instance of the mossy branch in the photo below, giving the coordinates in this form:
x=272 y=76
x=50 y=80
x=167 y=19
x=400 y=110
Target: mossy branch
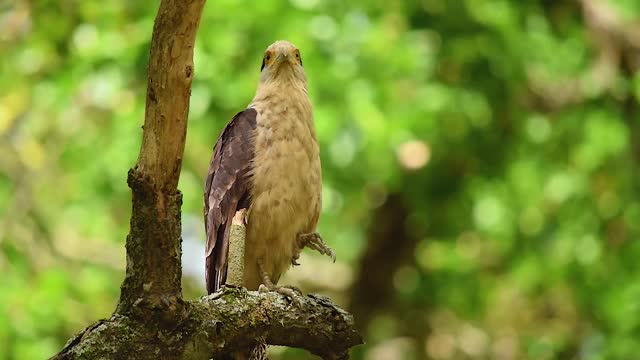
x=230 y=320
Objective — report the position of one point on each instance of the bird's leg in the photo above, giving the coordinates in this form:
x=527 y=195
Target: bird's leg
x=314 y=241
x=267 y=285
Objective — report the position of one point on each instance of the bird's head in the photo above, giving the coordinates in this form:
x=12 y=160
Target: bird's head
x=282 y=61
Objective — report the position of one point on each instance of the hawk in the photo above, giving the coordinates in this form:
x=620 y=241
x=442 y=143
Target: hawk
x=266 y=162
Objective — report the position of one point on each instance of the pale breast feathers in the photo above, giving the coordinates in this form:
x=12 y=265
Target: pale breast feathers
x=227 y=190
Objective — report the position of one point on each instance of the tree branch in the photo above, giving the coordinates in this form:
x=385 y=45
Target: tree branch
x=232 y=320
x=154 y=244
x=168 y=92
x=615 y=39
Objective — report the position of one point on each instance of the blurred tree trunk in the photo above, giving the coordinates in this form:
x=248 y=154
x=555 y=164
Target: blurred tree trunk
x=152 y=320
x=392 y=242
x=389 y=246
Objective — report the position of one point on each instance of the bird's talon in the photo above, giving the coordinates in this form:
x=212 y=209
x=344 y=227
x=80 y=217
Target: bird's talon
x=288 y=291
x=296 y=300
x=268 y=285
x=216 y=295
x=294 y=288
x=314 y=241
x=291 y=294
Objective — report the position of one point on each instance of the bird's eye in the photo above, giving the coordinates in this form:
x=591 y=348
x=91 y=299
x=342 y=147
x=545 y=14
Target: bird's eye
x=267 y=57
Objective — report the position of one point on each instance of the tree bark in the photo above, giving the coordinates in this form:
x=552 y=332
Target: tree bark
x=154 y=244
x=152 y=320
x=219 y=324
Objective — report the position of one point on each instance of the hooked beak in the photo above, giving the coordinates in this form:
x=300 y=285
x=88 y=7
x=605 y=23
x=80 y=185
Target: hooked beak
x=283 y=55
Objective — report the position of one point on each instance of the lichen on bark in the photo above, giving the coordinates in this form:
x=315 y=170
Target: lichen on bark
x=215 y=325
x=153 y=254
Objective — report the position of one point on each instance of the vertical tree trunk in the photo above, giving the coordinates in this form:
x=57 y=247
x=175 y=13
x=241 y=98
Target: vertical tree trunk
x=389 y=246
x=154 y=244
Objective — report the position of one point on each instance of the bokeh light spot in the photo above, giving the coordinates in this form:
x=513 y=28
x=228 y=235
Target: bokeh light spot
x=413 y=154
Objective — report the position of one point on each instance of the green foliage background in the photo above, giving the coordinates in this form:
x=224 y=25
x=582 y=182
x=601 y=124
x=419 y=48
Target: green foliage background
x=507 y=132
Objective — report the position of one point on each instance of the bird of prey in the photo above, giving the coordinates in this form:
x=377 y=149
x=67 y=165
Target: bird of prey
x=266 y=162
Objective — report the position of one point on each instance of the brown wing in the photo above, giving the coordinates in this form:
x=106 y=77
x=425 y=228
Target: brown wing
x=227 y=190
